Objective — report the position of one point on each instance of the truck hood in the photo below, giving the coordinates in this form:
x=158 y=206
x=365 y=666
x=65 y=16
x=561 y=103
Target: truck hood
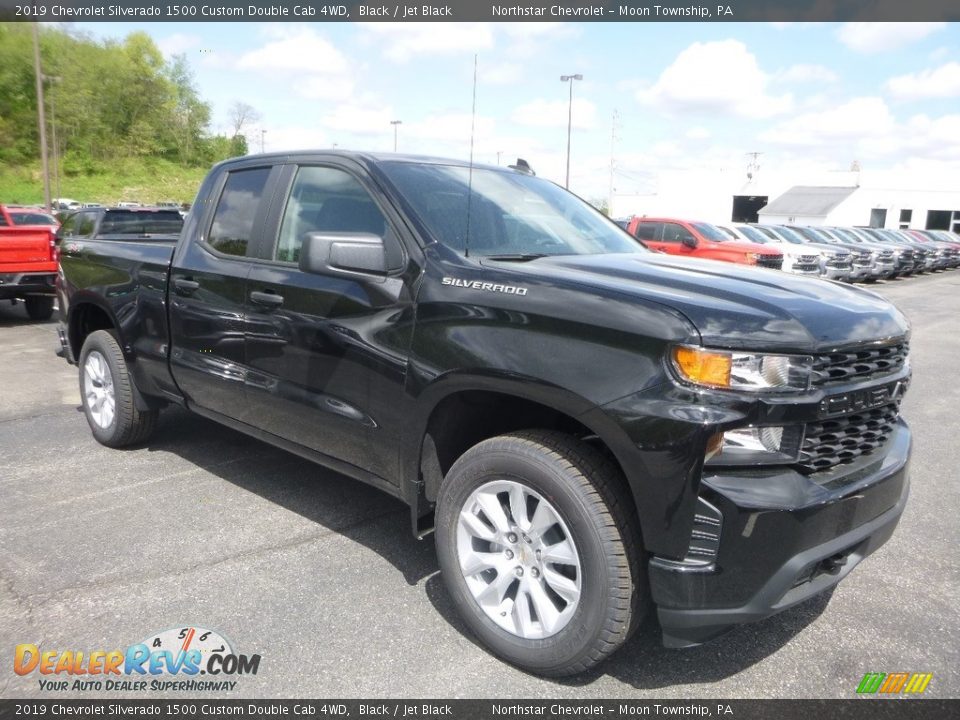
x=732 y=306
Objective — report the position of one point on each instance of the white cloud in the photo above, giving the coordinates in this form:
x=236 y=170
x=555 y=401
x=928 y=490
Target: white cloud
x=360 y=120
x=878 y=37
x=941 y=82
x=451 y=127
x=698 y=133
x=554 y=113
x=718 y=76
x=312 y=66
x=403 y=41
x=177 y=43
x=303 y=51
x=290 y=137
x=502 y=73
x=803 y=73
x=856 y=119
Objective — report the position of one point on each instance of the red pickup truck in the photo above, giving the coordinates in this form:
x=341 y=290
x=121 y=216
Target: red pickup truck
x=701 y=240
x=28 y=264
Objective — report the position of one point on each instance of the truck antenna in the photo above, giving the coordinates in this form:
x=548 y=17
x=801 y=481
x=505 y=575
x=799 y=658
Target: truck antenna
x=473 y=120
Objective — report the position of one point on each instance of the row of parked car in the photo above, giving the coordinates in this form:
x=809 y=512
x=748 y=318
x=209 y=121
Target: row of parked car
x=852 y=254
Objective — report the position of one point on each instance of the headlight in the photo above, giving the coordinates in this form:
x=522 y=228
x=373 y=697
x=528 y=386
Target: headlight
x=752 y=258
x=742 y=371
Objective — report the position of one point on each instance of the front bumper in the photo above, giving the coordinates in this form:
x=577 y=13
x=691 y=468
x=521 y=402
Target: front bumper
x=834 y=273
x=785 y=538
x=860 y=272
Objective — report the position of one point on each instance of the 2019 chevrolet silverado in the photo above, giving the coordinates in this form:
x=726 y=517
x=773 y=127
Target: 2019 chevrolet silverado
x=593 y=431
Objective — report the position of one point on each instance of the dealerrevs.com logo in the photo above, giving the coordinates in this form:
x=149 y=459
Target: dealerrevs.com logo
x=180 y=659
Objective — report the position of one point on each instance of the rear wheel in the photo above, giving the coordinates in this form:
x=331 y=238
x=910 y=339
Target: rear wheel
x=106 y=390
x=39 y=307
x=538 y=543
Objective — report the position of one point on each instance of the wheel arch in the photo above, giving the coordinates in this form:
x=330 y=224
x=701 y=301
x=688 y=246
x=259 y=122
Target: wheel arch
x=88 y=314
x=463 y=411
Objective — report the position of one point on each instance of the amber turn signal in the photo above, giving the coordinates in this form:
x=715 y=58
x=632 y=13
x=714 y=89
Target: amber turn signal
x=703 y=367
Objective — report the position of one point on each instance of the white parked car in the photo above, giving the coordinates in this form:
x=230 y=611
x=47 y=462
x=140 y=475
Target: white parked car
x=796 y=259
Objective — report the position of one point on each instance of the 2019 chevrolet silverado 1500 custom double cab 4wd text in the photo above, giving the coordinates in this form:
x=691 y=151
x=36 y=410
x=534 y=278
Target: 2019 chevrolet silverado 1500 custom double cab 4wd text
x=594 y=431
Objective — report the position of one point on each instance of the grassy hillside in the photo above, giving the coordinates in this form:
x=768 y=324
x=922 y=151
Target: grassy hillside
x=144 y=180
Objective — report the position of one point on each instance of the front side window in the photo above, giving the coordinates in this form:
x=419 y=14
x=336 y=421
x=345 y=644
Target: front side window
x=232 y=228
x=674 y=233
x=325 y=199
x=496 y=213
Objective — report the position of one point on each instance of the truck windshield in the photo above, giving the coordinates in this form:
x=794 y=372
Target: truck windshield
x=710 y=232
x=510 y=214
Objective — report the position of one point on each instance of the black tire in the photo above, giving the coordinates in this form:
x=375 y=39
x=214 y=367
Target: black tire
x=589 y=494
x=39 y=307
x=129 y=425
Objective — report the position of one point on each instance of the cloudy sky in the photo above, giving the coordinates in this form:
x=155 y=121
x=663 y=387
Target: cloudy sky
x=662 y=97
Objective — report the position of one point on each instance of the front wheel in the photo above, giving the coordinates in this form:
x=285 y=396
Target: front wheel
x=106 y=390
x=538 y=544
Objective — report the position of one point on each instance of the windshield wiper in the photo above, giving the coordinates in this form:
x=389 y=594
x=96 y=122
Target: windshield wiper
x=516 y=257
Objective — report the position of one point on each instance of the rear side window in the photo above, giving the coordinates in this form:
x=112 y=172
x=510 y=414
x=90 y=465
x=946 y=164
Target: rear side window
x=646 y=231
x=85 y=224
x=232 y=227
x=140 y=222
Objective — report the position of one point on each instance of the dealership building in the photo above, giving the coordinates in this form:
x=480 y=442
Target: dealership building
x=879 y=199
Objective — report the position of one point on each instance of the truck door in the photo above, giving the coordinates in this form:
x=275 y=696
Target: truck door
x=327 y=353
x=208 y=295
x=674 y=237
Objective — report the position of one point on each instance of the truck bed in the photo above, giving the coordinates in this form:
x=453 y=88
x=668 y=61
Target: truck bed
x=131 y=277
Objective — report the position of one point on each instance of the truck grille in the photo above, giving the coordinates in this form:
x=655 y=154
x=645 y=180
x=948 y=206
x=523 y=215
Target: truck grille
x=843 y=439
x=770 y=261
x=863 y=364
x=862 y=259
x=839 y=261
x=886 y=255
x=807 y=260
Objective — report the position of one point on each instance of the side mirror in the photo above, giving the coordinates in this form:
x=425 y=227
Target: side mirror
x=333 y=253
x=689 y=241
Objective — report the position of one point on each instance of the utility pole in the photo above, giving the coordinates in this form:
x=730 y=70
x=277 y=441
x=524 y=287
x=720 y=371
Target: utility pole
x=753 y=167
x=42 y=121
x=53 y=132
x=395 y=123
x=569 y=79
x=262 y=134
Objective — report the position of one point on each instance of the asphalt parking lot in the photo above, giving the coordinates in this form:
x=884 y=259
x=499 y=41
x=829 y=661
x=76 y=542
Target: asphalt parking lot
x=100 y=549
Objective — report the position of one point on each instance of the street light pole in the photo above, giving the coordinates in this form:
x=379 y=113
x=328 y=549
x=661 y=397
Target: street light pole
x=42 y=121
x=569 y=79
x=395 y=123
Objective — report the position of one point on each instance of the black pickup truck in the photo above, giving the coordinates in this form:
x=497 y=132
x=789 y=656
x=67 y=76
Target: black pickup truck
x=593 y=430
